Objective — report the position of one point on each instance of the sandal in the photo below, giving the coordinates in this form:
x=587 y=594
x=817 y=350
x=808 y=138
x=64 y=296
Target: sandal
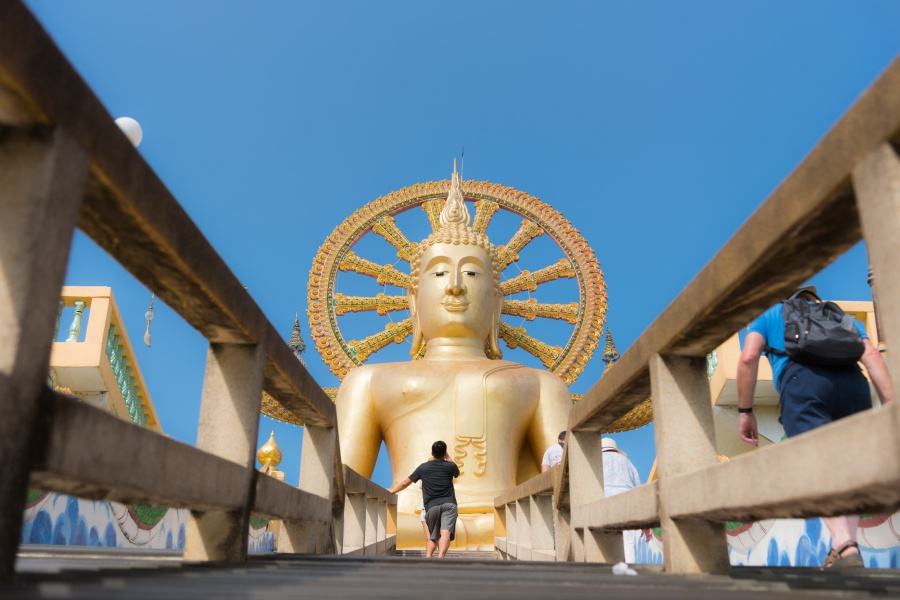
x=851 y=561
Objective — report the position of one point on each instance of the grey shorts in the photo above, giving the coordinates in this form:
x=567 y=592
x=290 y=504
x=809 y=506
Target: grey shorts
x=441 y=517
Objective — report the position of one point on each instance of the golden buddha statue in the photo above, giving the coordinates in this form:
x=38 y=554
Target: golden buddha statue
x=497 y=417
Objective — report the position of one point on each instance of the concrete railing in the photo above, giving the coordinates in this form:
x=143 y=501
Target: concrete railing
x=369 y=524
x=64 y=164
x=525 y=520
x=846 y=190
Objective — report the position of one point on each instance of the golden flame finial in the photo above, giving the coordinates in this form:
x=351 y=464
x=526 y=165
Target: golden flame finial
x=269 y=455
x=455 y=211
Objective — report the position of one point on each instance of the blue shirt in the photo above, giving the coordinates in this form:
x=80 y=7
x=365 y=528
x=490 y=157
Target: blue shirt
x=770 y=325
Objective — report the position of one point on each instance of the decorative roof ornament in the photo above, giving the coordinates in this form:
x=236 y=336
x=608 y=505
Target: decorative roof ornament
x=269 y=455
x=610 y=353
x=455 y=212
x=149 y=315
x=296 y=343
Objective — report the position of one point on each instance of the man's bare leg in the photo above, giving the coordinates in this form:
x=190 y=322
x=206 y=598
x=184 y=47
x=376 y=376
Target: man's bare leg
x=842 y=529
x=443 y=543
x=429 y=548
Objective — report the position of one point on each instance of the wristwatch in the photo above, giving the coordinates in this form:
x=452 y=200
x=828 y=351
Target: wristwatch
x=745 y=411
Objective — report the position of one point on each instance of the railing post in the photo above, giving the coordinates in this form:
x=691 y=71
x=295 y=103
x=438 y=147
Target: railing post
x=391 y=527
x=354 y=522
x=563 y=535
x=381 y=528
x=75 y=327
x=585 y=486
x=876 y=181
x=685 y=441
x=371 y=526
x=500 y=530
x=229 y=425
x=542 y=528
x=512 y=531
x=316 y=477
x=42 y=173
x=523 y=528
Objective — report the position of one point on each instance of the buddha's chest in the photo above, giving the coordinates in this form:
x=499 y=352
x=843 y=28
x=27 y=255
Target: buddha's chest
x=459 y=394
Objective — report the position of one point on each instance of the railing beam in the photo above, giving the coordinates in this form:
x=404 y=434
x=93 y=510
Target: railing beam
x=42 y=173
x=685 y=441
x=229 y=425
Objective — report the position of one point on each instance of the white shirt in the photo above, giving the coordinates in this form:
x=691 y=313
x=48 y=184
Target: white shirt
x=619 y=475
x=553 y=455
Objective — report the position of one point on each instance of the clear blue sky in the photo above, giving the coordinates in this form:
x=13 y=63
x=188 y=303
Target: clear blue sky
x=656 y=128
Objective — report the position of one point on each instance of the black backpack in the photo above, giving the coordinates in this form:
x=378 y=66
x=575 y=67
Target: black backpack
x=819 y=334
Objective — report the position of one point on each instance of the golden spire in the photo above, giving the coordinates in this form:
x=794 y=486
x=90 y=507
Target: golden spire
x=296 y=343
x=269 y=455
x=610 y=354
x=455 y=211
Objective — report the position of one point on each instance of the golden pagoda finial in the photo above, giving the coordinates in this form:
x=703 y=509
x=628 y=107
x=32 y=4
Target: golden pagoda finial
x=455 y=211
x=296 y=343
x=269 y=455
x=610 y=353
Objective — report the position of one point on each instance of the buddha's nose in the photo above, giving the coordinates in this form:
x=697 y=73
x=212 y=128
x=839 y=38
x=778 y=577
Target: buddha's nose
x=455 y=289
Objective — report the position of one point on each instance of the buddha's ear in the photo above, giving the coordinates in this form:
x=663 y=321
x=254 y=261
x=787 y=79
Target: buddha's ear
x=494 y=337
x=416 y=330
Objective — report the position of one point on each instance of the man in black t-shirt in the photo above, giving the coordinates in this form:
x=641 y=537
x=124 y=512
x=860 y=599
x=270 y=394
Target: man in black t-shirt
x=440 y=499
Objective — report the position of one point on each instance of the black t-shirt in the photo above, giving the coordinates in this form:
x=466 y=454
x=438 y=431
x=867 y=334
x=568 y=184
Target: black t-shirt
x=437 y=481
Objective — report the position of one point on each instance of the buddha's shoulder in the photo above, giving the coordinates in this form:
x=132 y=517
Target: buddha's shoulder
x=549 y=382
x=515 y=367
x=497 y=368
x=367 y=373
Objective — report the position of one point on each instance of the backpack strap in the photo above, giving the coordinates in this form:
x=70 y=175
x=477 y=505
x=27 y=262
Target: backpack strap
x=770 y=350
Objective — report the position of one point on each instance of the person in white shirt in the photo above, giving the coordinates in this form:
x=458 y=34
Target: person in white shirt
x=619 y=475
x=553 y=455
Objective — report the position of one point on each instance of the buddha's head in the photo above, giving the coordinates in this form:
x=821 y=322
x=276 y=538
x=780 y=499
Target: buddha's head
x=455 y=291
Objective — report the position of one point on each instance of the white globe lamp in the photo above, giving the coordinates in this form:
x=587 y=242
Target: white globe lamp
x=131 y=129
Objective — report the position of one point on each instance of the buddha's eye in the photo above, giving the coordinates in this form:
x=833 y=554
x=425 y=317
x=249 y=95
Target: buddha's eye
x=439 y=273
x=472 y=273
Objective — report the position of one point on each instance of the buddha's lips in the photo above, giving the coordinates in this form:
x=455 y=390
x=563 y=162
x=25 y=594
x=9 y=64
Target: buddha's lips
x=455 y=306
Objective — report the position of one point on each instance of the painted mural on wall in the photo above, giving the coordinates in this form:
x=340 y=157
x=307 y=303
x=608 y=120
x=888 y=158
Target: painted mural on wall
x=62 y=520
x=793 y=542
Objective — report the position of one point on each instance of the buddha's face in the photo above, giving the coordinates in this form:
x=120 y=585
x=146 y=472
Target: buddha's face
x=456 y=296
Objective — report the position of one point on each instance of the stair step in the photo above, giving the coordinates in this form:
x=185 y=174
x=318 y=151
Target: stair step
x=469 y=554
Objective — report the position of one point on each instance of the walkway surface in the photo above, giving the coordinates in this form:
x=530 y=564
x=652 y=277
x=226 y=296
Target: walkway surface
x=103 y=575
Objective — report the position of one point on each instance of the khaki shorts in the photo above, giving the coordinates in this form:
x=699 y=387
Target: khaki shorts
x=441 y=517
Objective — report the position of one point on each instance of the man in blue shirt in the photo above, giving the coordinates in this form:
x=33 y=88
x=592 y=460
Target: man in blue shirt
x=810 y=396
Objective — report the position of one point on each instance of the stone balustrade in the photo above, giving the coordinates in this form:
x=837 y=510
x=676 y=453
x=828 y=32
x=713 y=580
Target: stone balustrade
x=64 y=164
x=846 y=190
x=101 y=367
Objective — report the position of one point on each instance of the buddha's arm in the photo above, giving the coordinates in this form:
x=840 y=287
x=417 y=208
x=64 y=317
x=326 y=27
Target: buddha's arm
x=551 y=416
x=358 y=426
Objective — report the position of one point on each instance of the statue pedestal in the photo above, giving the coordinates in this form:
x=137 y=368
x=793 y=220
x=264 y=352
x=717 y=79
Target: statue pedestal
x=473 y=532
